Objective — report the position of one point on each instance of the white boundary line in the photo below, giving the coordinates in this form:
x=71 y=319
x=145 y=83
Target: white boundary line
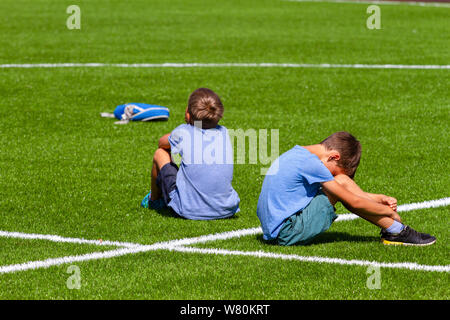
x=262 y=254
x=404 y=207
x=179 y=245
x=424 y=205
x=392 y=3
x=223 y=65
x=56 y=238
x=31 y=265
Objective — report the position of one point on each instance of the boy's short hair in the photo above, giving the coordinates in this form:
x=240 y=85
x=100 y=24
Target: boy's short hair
x=349 y=149
x=204 y=105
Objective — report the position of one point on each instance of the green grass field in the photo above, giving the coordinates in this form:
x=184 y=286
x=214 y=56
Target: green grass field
x=65 y=171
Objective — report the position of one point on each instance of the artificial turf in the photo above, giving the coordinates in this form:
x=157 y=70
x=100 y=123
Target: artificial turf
x=66 y=171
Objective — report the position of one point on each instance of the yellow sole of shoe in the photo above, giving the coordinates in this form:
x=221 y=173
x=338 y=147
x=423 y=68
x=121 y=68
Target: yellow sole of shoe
x=394 y=243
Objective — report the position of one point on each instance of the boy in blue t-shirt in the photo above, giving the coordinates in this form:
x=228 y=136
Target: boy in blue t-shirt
x=302 y=186
x=201 y=188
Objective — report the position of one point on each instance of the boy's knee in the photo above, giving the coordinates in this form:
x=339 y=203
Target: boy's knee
x=161 y=157
x=161 y=153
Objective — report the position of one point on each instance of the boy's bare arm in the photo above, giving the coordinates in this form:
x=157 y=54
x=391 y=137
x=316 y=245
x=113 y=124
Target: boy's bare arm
x=164 y=142
x=351 y=186
x=358 y=203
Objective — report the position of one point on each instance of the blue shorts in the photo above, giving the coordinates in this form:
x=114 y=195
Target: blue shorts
x=167 y=180
x=302 y=227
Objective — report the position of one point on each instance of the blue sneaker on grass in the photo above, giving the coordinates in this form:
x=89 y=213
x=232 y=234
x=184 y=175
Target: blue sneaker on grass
x=148 y=203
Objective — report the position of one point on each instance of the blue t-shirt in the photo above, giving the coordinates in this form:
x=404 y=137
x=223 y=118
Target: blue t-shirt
x=289 y=186
x=203 y=189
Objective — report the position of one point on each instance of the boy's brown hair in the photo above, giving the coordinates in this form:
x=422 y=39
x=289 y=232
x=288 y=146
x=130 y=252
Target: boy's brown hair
x=349 y=149
x=204 y=105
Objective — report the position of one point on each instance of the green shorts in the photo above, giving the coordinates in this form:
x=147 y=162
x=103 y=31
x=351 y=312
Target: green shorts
x=302 y=227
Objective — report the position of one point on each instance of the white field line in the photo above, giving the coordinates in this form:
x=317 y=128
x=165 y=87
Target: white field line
x=171 y=243
x=31 y=265
x=392 y=3
x=262 y=254
x=56 y=238
x=130 y=248
x=222 y=65
x=216 y=237
x=178 y=245
x=175 y=246
x=403 y=208
x=424 y=205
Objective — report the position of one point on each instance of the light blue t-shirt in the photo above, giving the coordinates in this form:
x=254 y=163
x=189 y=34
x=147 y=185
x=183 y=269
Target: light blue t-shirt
x=203 y=189
x=289 y=186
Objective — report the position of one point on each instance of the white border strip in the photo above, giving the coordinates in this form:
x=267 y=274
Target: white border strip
x=56 y=238
x=424 y=205
x=394 y=3
x=215 y=237
x=224 y=65
x=31 y=265
x=404 y=208
x=262 y=254
x=179 y=246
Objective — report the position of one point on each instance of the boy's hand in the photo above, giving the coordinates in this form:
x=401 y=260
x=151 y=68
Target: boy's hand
x=390 y=201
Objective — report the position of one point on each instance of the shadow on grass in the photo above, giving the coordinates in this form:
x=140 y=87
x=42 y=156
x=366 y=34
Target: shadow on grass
x=169 y=213
x=329 y=237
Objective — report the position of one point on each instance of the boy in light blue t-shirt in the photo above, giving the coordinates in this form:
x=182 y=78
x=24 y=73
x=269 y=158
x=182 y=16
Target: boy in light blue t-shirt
x=200 y=189
x=300 y=190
